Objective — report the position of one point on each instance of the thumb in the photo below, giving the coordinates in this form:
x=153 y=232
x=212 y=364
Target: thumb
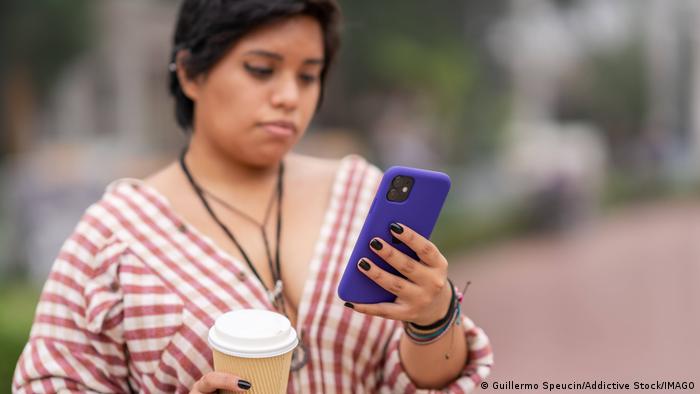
x=213 y=381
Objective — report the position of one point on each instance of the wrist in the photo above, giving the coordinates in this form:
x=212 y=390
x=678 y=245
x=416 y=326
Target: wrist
x=440 y=315
x=427 y=334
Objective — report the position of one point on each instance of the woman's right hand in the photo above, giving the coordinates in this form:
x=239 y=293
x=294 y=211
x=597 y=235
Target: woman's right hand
x=213 y=381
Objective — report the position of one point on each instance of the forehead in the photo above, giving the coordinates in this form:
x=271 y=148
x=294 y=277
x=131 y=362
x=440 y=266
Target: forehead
x=298 y=36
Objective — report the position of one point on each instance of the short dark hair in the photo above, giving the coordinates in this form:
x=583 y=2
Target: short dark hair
x=207 y=29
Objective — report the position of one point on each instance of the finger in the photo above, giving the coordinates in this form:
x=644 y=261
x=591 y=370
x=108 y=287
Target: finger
x=427 y=252
x=213 y=381
x=390 y=282
x=410 y=268
x=387 y=310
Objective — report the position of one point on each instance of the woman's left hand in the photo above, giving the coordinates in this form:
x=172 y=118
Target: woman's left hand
x=424 y=296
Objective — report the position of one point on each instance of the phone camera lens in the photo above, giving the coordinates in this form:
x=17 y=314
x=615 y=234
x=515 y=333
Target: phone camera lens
x=394 y=195
x=401 y=187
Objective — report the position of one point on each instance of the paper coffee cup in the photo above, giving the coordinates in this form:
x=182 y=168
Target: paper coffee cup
x=255 y=345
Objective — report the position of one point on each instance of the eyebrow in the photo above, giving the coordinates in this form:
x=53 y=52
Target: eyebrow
x=277 y=56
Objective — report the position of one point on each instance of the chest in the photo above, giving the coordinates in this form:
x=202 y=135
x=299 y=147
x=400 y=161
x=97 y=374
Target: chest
x=302 y=217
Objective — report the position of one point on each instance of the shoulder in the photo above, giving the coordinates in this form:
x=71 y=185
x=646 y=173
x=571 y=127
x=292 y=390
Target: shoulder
x=302 y=168
x=99 y=232
x=323 y=171
x=93 y=250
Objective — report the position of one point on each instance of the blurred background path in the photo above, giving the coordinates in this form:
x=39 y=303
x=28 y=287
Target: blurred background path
x=618 y=300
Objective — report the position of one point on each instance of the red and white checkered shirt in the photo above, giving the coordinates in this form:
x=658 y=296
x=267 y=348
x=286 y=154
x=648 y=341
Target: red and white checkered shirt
x=134 y=290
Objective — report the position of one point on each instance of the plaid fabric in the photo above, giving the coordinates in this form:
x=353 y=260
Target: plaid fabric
x=134 y=290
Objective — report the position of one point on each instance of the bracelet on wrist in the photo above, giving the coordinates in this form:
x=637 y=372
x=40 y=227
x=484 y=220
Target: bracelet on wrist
x=446 y=318
x=428 y=338
x=426 y=334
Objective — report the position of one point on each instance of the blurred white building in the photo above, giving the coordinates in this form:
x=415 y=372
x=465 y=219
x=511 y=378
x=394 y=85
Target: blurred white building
x=543 y=41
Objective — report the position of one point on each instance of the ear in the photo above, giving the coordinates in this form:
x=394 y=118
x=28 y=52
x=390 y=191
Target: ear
x=190 y=86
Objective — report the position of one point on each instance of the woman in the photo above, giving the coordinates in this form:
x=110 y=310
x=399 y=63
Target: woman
x=151 y=265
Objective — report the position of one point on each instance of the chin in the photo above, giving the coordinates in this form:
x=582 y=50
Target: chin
x=267 y=158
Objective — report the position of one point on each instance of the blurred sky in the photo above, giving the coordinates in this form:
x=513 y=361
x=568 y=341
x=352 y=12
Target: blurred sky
x=571 y=130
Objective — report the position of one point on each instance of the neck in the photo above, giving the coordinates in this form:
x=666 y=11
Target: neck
x=226 y=176
x=216 y=167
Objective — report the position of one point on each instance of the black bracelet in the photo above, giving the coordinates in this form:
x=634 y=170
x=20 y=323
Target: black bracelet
x=444 y=320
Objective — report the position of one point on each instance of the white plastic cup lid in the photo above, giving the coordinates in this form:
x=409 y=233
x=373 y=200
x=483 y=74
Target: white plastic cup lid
x=252 y=333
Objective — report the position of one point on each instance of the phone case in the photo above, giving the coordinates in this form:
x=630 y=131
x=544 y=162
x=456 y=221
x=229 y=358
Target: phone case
x=419 y=211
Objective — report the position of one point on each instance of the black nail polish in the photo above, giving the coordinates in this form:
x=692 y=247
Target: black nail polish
x=349 y=305
x=364 y=265
x=375 y=244
x=395 y=227
x=244 y=384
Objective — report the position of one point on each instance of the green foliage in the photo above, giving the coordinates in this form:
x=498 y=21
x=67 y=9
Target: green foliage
x=482 y=124
x=458 y=231
x=443 y=71
x=41 y=36
x=431 y=50
x=619 y=90
x=17 y=304
x=624 y=188
x=611 y=91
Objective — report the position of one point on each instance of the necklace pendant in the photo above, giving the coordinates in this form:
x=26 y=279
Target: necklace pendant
x=276 y=292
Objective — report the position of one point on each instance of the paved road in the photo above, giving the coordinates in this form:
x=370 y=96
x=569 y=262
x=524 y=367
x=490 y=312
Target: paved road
x=617 y=300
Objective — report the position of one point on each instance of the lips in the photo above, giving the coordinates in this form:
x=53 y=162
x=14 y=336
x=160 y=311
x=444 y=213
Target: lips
x=279 y=128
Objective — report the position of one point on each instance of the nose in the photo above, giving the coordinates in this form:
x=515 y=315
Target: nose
x=285 y=93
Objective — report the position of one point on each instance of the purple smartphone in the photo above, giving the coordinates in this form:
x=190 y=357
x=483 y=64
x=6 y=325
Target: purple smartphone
x=406 y=195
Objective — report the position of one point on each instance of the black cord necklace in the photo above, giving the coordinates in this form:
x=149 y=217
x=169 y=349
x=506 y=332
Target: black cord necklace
x=275 y=295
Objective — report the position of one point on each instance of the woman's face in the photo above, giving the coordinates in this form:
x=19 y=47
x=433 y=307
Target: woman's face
x=258 y=100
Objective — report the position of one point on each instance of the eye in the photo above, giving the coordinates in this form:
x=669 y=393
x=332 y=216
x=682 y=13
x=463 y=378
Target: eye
x=308 y=78
x=258 y=72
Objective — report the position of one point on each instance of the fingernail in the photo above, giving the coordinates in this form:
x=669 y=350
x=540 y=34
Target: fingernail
x=364 y=265
x=395 y=227
x=375 y=244
x=244 y=384
x=349 y=305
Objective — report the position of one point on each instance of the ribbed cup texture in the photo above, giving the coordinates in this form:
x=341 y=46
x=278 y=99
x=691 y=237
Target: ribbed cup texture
x=267 y=375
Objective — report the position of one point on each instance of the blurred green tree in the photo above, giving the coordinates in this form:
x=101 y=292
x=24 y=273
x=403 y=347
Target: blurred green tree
x=37 y=39
x=433 y=50
x=610 y=89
